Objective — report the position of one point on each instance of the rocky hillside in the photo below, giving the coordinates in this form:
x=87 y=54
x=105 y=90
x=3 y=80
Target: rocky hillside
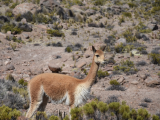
x=39 y=36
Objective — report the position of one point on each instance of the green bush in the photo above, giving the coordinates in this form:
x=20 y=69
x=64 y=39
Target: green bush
x=9 y=77
x=22 y=82
x=13 y=46
x=22 y=91
x=142 y=28
x=130 y=37
x=126 y=67
x=122 y=48
x=7 y=113
x=127 y=14
x=155 y=58
x=68 y=49
x=12 y=28
x=41 y=18
x=114 y=82
x=14 y=5
x=131 y=4
x=9 y=13
x=55 y=33
x=42 y=116
x=99 y=2
x=102 y=74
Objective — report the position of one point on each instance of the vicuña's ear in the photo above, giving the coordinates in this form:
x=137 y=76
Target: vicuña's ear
x=103 y=48
x=93 y=48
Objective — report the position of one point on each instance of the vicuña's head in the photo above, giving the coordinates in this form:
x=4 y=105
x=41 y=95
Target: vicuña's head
x=98 y=55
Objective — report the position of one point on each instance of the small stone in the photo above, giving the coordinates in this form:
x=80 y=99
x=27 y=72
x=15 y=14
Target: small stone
x=10 y=67
x=23 y=21
x=135 y=82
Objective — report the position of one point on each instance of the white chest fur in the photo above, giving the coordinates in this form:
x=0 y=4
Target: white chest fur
x=81 y=94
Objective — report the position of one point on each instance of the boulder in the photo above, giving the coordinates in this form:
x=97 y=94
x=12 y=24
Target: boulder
x=25 y=36
x=134 y=82
x=152 y=26
x=51 y=5
x=90 y=12
x=55 y=65
x=36 y=70
x=152 y=81
x=121 y=40
x=24 y=8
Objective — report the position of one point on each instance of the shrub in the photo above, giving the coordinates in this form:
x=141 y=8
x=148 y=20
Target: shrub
x=126 y=67
x=129 y=36
x=99 y=2
x=14 y=5
x=116 y=87
x=131 y=4
x=68 y=49
x=114 y=82
x=155 y=58
x=127 y=14
x=41 y=18
x=102 y=74
x=159 y=74
x=9 y=13
x=22 y=82
x=142 y=28
x=12 y=28
x=7 y=113
x=123 y=47
x=56 y=33
x=14 y=46
x=42 y=116
x=9 y=77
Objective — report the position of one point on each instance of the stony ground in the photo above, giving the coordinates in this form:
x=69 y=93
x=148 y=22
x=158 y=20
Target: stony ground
x=100 y=25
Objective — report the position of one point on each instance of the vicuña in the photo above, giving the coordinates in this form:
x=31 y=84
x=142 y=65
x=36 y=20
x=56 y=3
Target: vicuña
x=62 y=88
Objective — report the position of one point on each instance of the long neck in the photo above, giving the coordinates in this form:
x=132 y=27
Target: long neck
x=90 y=79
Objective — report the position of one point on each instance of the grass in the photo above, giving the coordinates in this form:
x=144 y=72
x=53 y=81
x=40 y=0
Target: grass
x=10 y=27
x=55 y=33
x=114 y=82
x=102 y=74
x=127 y=14
x=131 y=5
x=142 y=28
x=155 y=58
x=130 y=37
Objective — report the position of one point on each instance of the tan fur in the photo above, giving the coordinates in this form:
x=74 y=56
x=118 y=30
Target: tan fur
x=61 y=87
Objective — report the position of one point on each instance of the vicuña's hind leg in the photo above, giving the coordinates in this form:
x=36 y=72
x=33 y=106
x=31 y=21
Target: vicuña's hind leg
x=36 y=100
x=44 y=103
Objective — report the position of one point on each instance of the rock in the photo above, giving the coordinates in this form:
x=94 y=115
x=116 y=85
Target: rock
x=152 y=81
x=7 y=62
x=152 y=26
x=25 y=36
x=4 y=19
x=134 y=82
x=22 y=118
x=92 y=25
x=80 y=64
x=9 y=36
x=23 y=21
x=73 y=33
x=24 y=8
x=51 y=5
x=138 y=35
x=144 y=37
x=76 y=9
x=121 y=79
x=142 y=76
x=10 y=67
x=90 y=12
x=101 y=25
x=135 y=52
x=55 y=67
x=25 y=27
x=121 y=40
x=1 y=63
x=36 y=70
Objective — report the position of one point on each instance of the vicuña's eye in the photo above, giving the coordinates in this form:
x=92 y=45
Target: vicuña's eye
x=97 y=55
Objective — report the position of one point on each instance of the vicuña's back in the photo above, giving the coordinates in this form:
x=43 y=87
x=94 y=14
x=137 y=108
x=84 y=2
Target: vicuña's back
x=61 y=88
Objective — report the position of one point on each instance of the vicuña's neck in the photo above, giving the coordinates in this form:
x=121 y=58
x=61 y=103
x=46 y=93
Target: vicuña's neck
x=90 y=79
